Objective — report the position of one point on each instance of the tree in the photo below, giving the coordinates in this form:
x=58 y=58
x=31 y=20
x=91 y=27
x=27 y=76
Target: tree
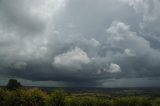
x=13 y=84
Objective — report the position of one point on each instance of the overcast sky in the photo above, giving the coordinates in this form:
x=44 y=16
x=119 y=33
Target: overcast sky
x=105 y=43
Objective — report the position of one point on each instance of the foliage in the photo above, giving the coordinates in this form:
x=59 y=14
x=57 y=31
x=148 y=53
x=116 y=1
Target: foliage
x=3 y=97
x=15 y=98
x=57 y=98
x=13 y=84
x=156 y=102
x=37 y=97
x=132 y=101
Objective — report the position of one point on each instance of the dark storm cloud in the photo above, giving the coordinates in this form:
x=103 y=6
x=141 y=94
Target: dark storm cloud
x=79 y=41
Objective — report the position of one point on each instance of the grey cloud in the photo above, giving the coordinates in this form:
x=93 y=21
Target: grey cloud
x=149 y=13
x=17 y=18
x=78 y=41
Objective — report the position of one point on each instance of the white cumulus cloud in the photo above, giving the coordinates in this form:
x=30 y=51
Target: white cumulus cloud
x=114 y=68
x=72 y=59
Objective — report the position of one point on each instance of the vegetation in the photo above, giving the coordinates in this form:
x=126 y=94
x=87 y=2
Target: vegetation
x=57 y=98
x=13 y=84
x=37 y=97
x=15 y=95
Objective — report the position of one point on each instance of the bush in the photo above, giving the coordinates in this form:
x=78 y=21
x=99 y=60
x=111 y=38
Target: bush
x=15 y=98
x=144 y=101
x=104 y=102
x=57 y=98
x=3 y=97
x=35 y=97
x=132 y=101
x=156 y=102
x=88 y=101
x=72 y=101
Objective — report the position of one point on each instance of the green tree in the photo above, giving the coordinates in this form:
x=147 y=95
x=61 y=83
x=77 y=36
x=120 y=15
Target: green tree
x=13 y=84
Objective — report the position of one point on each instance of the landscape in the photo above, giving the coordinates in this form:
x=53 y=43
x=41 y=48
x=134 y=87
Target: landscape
x=14 y=94
x=79 y=53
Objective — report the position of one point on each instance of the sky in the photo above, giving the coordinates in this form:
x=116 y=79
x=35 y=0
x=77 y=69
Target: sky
x=84 y=43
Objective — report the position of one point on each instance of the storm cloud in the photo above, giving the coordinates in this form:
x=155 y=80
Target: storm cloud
x=75 y=41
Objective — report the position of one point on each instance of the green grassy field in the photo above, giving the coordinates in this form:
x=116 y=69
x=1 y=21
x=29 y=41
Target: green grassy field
x=37 y=97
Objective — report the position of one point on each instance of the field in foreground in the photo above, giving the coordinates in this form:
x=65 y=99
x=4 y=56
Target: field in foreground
x=37 y=97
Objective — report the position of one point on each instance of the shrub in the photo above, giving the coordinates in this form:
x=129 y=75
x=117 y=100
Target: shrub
x=72 y=101
x=3 y=97
x=144 y=101
x=35 y=97
x=57 y=98
x=156 y=102
x=104 y=102
x=132 y=101
x=15 y=98
x=88 y=101
x=121 y=102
